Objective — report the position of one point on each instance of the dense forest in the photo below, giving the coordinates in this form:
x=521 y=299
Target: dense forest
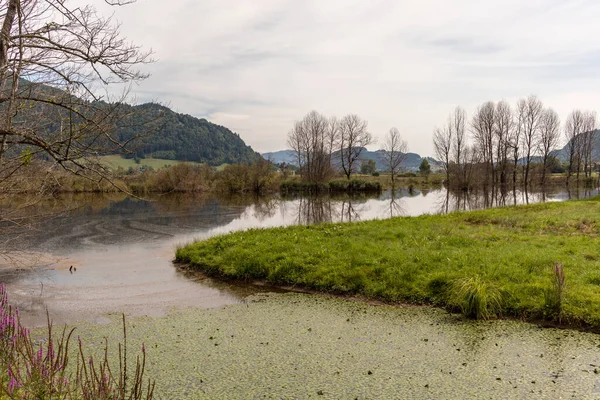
x=147 y=130
x=163 y=133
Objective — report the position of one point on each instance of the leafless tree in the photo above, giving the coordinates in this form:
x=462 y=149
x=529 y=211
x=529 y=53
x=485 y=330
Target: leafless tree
x=549 y=136
x=482 y=128
x=587 y=142
x=354 y=136
x=532 y=114
x=333 y=137
x=310 y=140
x=457 y=123
x=503 y=127
x=395 y=151
x=53 y=59
x=574 y=126
x=516 y=137
x=56 y=64
x=442 y=146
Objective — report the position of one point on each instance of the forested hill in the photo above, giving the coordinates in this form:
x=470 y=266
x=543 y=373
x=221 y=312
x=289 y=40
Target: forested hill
x=563 y=154
x=176 y=136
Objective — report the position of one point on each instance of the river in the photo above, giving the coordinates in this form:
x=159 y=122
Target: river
x=113 y=254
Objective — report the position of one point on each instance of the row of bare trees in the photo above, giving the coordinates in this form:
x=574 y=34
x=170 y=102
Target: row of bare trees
x=500 y=138
x=322 y=143
x=315 y=139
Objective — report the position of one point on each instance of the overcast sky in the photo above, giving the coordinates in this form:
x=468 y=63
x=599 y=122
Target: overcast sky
x=257 y=66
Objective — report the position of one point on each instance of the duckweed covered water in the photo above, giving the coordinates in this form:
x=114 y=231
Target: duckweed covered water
x=297 y=346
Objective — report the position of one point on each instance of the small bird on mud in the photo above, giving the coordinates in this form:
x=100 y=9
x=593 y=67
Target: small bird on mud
x=71 y=269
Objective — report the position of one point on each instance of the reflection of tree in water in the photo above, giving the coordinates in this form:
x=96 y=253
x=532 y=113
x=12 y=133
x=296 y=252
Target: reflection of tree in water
x=396 y=205
x=465 y=200
x=314 y=210
x=265 y=207
x=348 y=213
x=323 y=209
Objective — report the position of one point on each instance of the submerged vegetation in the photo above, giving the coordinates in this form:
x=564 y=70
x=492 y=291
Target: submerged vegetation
x=505 y=261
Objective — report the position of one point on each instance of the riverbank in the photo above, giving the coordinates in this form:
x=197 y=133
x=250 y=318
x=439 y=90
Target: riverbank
x=497 y=262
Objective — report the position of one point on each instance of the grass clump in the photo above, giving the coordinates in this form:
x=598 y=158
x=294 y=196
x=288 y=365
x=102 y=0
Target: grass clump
x=555 y=294
x=483 y=262
x=477 y=298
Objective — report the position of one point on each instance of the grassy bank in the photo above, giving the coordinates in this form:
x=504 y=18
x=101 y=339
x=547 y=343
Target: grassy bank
x=505 y=261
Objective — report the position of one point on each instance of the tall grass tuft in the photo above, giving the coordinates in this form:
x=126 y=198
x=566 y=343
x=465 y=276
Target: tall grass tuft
x=555 y=293
x=477 y=298
x=40 y=370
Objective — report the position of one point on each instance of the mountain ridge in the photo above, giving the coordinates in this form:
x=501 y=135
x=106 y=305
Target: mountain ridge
x=411 y=163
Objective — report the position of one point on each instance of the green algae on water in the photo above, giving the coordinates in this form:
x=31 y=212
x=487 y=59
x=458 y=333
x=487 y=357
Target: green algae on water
x=298 y=346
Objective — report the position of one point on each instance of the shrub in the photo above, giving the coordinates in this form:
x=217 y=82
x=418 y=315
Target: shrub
x=297 y=186
x=354 y=185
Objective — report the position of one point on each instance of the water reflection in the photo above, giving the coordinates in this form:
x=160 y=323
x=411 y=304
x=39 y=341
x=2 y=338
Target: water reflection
x=123 y=247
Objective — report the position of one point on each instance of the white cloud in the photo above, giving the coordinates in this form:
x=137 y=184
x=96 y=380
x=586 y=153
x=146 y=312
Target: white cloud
x=257 y=66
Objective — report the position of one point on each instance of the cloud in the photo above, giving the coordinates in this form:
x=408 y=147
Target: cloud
x=395 y=63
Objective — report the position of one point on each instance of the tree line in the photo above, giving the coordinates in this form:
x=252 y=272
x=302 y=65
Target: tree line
x=499 y=139
x=322 y=144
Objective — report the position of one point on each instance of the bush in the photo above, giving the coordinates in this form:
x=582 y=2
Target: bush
x=296 y=186
x=354 y=185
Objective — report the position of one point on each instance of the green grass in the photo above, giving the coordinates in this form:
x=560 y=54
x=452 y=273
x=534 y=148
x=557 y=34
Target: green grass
x=221 y=167
x=508 y=253
x=116 y=161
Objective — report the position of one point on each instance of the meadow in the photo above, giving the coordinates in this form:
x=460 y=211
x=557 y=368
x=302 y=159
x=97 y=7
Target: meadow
x=536 y=262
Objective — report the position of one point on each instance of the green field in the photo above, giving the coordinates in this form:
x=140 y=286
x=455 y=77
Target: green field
x=485 y=263
x=116 y=161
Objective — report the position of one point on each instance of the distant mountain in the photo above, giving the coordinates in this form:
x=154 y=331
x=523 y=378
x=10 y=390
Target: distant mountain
x=282 y=156
x=411 y=163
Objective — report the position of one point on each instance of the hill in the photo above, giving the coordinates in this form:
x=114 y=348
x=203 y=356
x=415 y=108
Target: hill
x=151 y=130
x=182 y=137
x=563 y=154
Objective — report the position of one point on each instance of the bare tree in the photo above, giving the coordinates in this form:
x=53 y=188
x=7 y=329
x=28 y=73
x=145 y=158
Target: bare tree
x=587 y=142
x=353 y=139
x=549 y=136
x=532 y=114
x=442 y=146
x=516 y=137
x=333 y=137
x=395 y=151
x=56 y=64
x=457 y=124
x=574 y=126
x=310 y=140
x=52 y=59
x=503 y=127
x=483 y=127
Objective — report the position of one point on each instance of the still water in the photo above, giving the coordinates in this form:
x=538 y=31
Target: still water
x=121 y=249
x=212 y=340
